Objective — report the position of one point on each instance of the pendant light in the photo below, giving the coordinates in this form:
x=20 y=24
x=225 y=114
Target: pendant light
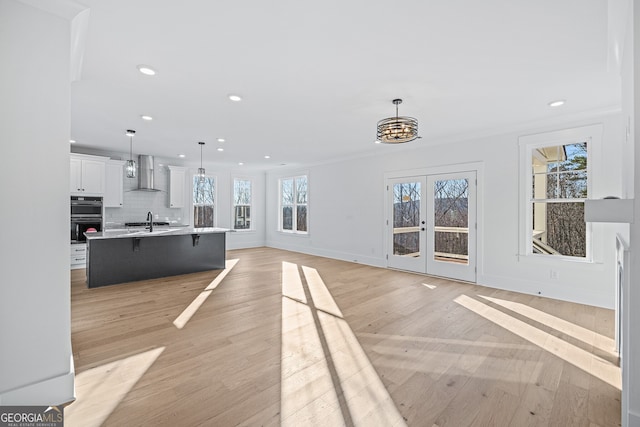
x=131 y=164
x=398 y=129
x=201 y=171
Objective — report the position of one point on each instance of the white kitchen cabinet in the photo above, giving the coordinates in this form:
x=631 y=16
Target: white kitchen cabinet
x=114 y=184
x=177 y=181
x=87 y=175
x=78 y=255
x=76 y=176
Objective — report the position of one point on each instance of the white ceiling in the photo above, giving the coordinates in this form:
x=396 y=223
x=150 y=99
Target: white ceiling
x=317 y=76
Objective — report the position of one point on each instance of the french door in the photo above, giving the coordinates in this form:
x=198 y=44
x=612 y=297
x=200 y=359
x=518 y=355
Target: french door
x=407 y=223
x=431 y=225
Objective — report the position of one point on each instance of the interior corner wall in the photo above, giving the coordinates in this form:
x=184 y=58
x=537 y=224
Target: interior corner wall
x=36 y=364
x=347 y=218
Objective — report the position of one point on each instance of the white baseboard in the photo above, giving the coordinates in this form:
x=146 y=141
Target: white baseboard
x=245 y=245
x=541 y=288
x=342 y=256
x=544 y=289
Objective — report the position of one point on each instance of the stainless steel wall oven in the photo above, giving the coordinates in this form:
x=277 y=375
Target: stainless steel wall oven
x=86 y=214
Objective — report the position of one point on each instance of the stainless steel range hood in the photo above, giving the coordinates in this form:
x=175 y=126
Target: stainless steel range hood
x=145 y=173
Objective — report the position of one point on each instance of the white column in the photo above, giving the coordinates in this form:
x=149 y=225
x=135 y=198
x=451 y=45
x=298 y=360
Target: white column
x=36 y=365
x=631 y=356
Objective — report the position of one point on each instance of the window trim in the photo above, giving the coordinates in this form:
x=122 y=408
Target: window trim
x=233 y=205
x=592 y=135
x=295 y=205
x=215 y=199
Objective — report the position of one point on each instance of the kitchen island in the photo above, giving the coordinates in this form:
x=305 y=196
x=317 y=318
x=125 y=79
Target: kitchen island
x=118 y=256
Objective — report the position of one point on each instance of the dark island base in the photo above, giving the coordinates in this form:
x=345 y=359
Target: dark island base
x=111 y=261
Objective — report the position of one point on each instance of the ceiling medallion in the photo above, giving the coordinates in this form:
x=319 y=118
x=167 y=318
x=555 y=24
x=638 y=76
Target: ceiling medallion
x=398 y=129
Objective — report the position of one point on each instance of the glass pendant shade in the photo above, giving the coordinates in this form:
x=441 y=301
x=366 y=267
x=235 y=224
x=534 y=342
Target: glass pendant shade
x=130 y=166
x=398 y=129
x=201 y=171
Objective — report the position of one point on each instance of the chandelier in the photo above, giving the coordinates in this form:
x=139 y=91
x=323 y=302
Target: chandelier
x=398 y=129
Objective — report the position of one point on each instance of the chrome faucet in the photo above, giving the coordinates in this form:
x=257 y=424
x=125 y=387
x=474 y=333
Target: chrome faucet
x=150 y=219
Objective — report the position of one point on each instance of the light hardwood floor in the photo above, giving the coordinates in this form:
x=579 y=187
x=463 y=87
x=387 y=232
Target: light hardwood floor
x=284 y=338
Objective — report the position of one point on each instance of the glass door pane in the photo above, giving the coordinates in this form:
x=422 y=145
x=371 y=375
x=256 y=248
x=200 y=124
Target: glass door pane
x=451 y=219
x=451 y=225
x=406 y=221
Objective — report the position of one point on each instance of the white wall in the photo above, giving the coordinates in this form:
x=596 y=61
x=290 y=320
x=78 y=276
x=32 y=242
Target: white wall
x=346 y=207
x=35 y=331
x=346 y=211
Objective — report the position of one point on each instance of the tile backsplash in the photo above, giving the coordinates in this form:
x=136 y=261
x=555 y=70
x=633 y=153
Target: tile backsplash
x=136 y=203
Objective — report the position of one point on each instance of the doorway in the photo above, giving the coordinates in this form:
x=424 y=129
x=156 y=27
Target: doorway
x=431 y=225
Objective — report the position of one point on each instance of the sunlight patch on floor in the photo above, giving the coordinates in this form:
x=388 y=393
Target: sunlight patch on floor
x=99 y=390
x=292 y=283
x=583 y=334
x=578 y=357
x=188 y=312
x=306 y=389
x=326 y=377
x=322 y=298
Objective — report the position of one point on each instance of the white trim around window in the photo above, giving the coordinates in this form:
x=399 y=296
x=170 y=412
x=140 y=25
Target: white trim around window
x=214 y=205
x=529 y=144
x=293 y=201
x=242 y=205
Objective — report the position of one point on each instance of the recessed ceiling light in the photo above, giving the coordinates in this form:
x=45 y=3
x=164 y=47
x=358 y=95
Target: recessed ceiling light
x=147 y=70
x=240 y=163
x=182 y=156
x=235 y=98
x=147 y=118
x=557 y=103
x=72 y=141
x=220 y=149
x=267 y=157
x=220 y=139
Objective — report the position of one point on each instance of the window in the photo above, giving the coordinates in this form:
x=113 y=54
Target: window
x=559 y=177
x=556 y=177
x=241 y=204
x=559 y=186
x=294 y=204
x=203 y=201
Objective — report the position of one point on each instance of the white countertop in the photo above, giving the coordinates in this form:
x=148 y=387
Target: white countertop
x=157 y=232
